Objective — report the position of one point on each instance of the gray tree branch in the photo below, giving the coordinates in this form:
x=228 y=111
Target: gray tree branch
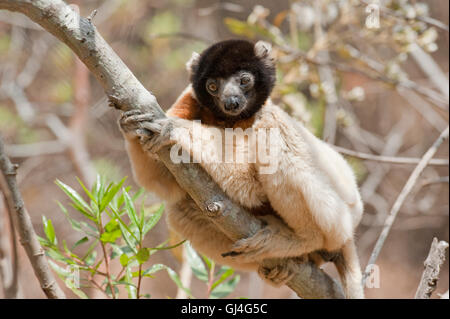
x=22 y=222
x=127 y=93
x=412 y=180
x=432 y=264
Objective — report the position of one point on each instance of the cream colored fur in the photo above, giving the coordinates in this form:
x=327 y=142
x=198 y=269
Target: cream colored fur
x=313 y=190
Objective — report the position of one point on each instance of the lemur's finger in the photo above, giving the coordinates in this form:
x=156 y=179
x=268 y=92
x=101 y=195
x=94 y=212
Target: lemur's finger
x=152 y=126
x=139 y=118
x=131 y=112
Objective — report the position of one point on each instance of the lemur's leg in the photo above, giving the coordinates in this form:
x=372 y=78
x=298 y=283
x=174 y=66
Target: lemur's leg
x=188 y=221
x=275 y=240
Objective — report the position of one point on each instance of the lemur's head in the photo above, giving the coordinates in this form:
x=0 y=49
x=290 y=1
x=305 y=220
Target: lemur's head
x=233 y=78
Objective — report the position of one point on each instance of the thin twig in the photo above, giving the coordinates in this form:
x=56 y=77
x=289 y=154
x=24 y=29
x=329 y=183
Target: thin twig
x=9 y=263
x=403 y=194
x=326 y=76
x=390 y=159
x=398 y=15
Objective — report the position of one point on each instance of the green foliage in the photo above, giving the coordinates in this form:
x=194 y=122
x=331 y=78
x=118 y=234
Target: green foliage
x=165 y=22
x=220 y=282
x=111 y=230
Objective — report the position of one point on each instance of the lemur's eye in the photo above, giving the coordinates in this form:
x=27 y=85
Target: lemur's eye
x=245 y=80
x=212 y=86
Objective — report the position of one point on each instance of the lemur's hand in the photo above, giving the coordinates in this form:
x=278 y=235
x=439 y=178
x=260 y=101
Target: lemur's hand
x=162 y=135
x=153 y=132
x=130 y=125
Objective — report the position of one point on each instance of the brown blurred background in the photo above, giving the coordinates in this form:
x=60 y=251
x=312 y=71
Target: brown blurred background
x=47 y=98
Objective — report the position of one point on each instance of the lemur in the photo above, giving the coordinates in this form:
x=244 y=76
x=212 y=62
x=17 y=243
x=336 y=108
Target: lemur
x=309 y=204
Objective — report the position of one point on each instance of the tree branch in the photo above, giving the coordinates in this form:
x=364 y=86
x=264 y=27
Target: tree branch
x=22 y=221
x=9 y=263
x=403 y=194
x=127 y=93
x=432 y=264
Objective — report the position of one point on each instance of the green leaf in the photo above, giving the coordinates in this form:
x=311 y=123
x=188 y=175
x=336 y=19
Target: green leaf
x=90 y=259
x=141 y=218
x=96 y=187
x=49 y=230
x=124 y=260
x=176 y=279
x=121 y=198
x=78 y=202
x=70 y=284
x=225 y=288
x=130 y=287
x=91 y=196
x=228 y=273
x=153 y=220
x=142 y=255
x=112 y=232
x=131 y=211
x=80 y=242
x=56 y=255
x=163 y=247
x=60 y=271
x=44 y=242
x=154 y=268
x=110 y=237
x=196 y=263
x=110 y=194
x=83 y=212
x=108 y=291
x=138 y=194
x=207 y=261
x=76 y=225
x=67 y=276
x=128 y=240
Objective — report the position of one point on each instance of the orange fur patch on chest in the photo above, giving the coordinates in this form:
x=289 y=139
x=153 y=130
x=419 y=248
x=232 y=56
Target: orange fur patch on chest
x=186 y=107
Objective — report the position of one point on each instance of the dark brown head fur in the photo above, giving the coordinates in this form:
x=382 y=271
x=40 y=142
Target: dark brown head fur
x=225 y=59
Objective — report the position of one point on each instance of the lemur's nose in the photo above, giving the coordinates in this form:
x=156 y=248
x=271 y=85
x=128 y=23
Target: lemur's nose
x=231 y=103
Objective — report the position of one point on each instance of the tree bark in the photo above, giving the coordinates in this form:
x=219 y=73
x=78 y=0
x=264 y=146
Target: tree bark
x=432 y=264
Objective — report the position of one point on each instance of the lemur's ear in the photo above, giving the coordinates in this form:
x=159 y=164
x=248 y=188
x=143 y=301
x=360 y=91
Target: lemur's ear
x=192 y=64
x=263 y=51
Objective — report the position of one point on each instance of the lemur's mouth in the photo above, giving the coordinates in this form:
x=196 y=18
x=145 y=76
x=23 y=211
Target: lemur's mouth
x=233 y=105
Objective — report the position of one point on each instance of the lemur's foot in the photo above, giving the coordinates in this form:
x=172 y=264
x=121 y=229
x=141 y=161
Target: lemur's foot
x=278 y=275
x=254 y=248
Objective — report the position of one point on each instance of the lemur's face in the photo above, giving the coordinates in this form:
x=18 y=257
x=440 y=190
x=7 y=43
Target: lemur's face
x=234 y=94
x=233 y=78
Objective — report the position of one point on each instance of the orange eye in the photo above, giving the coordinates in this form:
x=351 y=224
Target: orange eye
x=212 y=87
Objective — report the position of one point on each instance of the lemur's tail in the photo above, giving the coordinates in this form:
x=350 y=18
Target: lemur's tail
x=347 y=264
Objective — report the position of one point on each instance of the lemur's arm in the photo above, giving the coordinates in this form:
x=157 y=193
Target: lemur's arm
x=148 y=170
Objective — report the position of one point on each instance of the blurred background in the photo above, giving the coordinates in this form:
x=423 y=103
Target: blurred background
x=370 y=80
